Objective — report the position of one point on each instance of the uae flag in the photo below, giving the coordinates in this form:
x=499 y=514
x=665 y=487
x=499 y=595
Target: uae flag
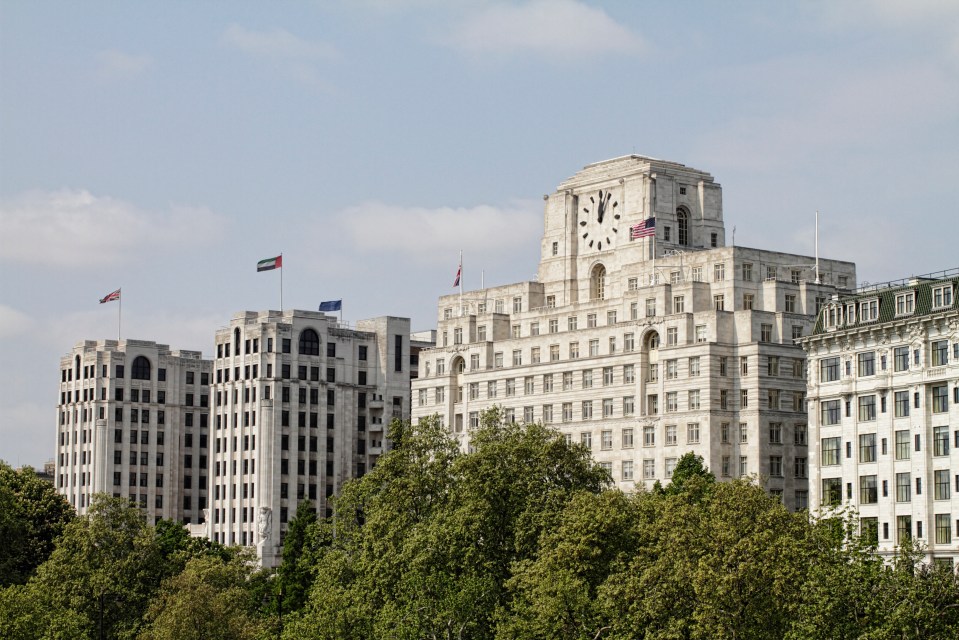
x=270 y=264
x=110 y=297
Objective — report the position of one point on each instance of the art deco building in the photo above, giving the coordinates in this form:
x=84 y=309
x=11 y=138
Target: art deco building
x=884 y=410
x=301 y=405
x=642 y=348
x=132 y=421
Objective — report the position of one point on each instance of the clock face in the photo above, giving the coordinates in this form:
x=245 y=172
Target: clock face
x=600 y=221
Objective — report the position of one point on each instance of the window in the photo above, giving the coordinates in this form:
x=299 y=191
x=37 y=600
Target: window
x=694 y=366
x=765 y=333
x=940 y=398
x=650 y=307
x=517 y=304
x=905 y=303
x=747 y=269
x=829 y=369
x=670 y=435
x=902 y=404
x=942 y=296
x=903 y=487
x=903 y=529
x=587 y=378
x=692 y=433
x=867 y=364
x=901 y=359
x=628 y=405
x=744 y=398
x=743 y=466
x=632 y=284
x=309 y=343
x=867 y=447
x=830 y=451
x=790 y=300
x=831 y=491
x=528 y=415
x=671 y=370
x=743 y=433
x=775 y=433
x=672 y=336
x=534 y=355
x=672 y=404
x=567 y=380
x=627 y=469
x=528 y=385
x=868 y=490
x=719 y=272
x=649 y=469
x=697 y=274
x=607 y=376
x=701 y=332
x=940 y=441
x=567 y=411
x=628 y=438
x=517 y=357
x=598 y=283
x=693 y=400
x=553 y=326
x=903 y=451
x=548 y=383
x=670 y=467
x=776 y=466
x=940 y=353
x=649 y=436
x=587 y=410
x=481 y=333
x=941 y=489
x=943 y=532
x=586 y=439
x=679 y=304
x=573 y=350
x=800 y=467
x=594 y=347
x=547 y=414
x=629 y=343
x=725 y=467
x=140 y=369
x=747 y=301
x=867 y=408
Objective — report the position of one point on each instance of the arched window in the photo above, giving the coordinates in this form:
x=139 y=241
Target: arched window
x=309 y=343
x=682 y=222
x=236 y=341
x=597 y=283
x=651 y=341
x=460 y=365
x=141 y=369
x=76 y=367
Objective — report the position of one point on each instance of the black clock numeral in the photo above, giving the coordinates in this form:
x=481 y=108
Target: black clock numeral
x=590 y=243
x=582 y=223
x=585 y=235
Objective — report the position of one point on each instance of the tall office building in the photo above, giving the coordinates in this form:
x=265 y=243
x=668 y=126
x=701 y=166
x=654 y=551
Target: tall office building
x=644 y=336
x=132 y=421
x=301 y=405
x=884 y=365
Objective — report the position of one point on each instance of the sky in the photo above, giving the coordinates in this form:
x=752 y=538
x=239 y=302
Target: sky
x=166 y=147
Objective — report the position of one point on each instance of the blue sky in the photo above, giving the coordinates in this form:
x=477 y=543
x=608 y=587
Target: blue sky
x=167 y=147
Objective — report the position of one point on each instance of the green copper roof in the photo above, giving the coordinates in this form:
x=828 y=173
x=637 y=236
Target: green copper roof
x=922 y=287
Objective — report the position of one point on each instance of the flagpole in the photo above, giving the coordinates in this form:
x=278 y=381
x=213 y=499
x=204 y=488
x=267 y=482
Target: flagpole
x=281 y=282
x=461 y=283
x=817 y=247
x=119 y=313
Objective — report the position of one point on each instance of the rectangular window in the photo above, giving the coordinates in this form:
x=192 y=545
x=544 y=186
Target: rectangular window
x=831 y=491
x=941 y=297
x=790 y=306
x=901 y=359
x=830 y=451
x=719 y=272
x=672 y=337
x=694 y=366
x=776 y=466
x=903 y=487
x=903 y=452
x=679 y=304
x=747 y=301
x=867 y=447
x=670 y=435
x=692 y=433
x=649 y=436
x=941 y=488
x=902 y=404
x=693 y=400
x=867 y=408
x=766 y=333
x=940 y=441
x=943 y=532
x=567 y=411
x=866 y=363
x=940 y=398
x=829 y=369
x=800 y=467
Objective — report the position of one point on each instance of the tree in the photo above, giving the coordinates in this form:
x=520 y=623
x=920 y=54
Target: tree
x=32 y=516
x=296 y=575
x=212 y=598
x=422 y=546
x=101 y=576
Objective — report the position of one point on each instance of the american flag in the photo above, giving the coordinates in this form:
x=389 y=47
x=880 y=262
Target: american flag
x=110 y=297
x=644 y=229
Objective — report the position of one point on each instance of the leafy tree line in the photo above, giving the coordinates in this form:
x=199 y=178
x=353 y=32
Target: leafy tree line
x=523 y=537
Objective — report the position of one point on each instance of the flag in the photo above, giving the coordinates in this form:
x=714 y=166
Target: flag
x=270 y=263
x=331 y=305
x=459 y=272
x=110 y=297
x=643 y=229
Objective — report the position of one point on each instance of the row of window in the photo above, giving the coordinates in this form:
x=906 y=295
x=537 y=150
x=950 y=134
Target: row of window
x=831 y=410
x=867 y=310
x=904 y=446
x=869 y=488
x=829 y=368
x=140 y=369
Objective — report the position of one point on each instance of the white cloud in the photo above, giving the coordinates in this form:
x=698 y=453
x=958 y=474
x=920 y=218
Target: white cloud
x=70 y=227
x=118 y=65
x=890 y=13
x=430 y=235
x=276 y=43
x=13 y=322
x=552 y=28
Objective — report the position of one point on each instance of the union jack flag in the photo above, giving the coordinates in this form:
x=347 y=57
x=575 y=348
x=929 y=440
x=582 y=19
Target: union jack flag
x=110 y=297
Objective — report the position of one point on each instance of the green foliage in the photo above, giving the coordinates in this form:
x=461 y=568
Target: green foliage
x=214 y=598
x=32 y=516
x=296 y=573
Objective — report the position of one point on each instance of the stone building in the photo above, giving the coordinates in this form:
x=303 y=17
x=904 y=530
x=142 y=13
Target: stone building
x=642 y=340
x=884 y=410
x=301 y=404
x=132 y=421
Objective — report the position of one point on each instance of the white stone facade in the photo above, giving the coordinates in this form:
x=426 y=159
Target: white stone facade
x=301 y=405
x=884 y=411
x=132 y=421
x=642 y=349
